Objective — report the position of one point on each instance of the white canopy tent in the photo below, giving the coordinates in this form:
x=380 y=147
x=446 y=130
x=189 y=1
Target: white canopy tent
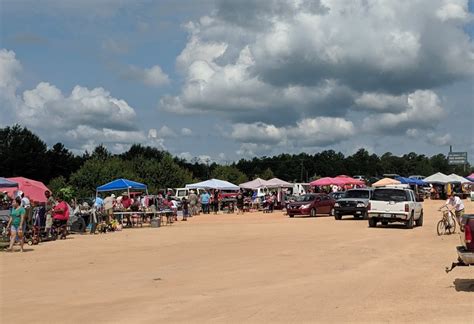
x=454 y=178
x=213 y=184
x=278 y=183
x=254 y=184
x=438 y=177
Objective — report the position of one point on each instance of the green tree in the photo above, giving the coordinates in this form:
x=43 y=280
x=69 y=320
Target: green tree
x=22 y=153
x=267 y=174
x=56 y=184
x=229 y=173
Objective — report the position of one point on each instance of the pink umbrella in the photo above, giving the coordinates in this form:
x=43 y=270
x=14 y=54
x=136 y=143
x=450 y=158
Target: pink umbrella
x=33 y=189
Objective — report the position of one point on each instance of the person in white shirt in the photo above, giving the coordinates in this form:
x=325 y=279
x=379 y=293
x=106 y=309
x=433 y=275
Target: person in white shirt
x=456 y=203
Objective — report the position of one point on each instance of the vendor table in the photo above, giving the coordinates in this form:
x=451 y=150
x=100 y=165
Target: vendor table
x=168 y=214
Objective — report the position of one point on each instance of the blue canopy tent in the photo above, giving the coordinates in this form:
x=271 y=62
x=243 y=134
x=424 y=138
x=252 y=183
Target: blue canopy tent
x=122 y=184
x=411 y=181
x=213 y=184
x=5 y=183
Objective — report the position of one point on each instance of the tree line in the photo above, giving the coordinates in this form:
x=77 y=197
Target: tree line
x=23 y=153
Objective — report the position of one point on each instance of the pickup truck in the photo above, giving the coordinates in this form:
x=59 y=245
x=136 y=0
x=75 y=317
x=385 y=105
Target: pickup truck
x=354 y=202
x=395 y=204
x=466 y=249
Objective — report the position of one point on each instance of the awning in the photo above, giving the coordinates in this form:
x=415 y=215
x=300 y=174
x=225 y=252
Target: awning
x=411 y=181
x=213 y=184
x=121 y=184
x=278 y=183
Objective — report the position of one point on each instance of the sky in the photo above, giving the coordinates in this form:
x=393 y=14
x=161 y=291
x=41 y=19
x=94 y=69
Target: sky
x=223 y=80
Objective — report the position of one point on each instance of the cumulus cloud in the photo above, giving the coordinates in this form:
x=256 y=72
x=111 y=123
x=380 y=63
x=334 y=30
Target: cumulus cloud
x=165 y=132
x=186 y=131
x=82 y=119
x=439 y=139
x=270 y=65
x=153 y=77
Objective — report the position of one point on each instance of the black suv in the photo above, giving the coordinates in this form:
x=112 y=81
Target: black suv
x=354 y=202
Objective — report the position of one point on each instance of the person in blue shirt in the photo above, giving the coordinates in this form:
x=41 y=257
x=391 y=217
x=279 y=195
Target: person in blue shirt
x=205 y=197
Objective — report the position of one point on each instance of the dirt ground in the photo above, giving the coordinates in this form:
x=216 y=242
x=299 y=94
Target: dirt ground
x=242 y=268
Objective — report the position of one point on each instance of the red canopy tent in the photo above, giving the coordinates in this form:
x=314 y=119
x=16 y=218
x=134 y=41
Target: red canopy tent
x=33 y=189
x=327 y=181
x=349 y=180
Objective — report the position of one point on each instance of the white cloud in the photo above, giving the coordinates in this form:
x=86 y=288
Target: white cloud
x=10 y=67
x=270 y=65
x=438 y=139
x=82 y=119
x=165 y=132
x=152 y=77
x=186 y=131
x=309 y=132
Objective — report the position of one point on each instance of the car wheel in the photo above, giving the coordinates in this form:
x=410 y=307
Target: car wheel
x=365 y=215
x=419 y=221
x=384 y=223
x=332 y=212
x=291 y=215
x=410 y=222
x=372 y=222
x=312 y=213
x=356 y=216
x=337 y=216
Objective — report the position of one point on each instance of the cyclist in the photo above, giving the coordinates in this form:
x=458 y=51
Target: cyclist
x=456 y=203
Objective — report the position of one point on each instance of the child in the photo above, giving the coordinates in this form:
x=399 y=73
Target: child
x=185 y=208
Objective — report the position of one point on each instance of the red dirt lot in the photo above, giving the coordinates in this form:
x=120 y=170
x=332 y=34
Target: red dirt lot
x=243 y=268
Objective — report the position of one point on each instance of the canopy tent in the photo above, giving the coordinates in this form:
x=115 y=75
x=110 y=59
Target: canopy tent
x=411 y=181
x=122 y=184
x=454 y=178
x=438 y=177
x=278 y=183
x=349 y=180
x=254 y=184
x=470 y=177
x=386 y=182
x=213 y=184
x=327 y=181
x=5 y=183
x=32 y=189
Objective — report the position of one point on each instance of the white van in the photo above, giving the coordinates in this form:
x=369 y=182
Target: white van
x=184 y=193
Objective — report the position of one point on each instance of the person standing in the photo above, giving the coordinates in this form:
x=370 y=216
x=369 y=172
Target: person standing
x=185 y=207
x=240 y=203
x=49 y=210
x=216 y=201
x=193 y=202
x=16 y=223
x=205 y=197
x=109 y=204
x=61 y=216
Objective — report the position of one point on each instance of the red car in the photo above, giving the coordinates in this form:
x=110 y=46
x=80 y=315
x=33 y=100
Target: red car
x=311 y=204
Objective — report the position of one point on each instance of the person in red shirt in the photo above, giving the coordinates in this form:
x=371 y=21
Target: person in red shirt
x=61 y=215
x=126 y=201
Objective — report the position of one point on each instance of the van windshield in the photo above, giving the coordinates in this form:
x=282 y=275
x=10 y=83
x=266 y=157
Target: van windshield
x=390 y=195
x=364 y=194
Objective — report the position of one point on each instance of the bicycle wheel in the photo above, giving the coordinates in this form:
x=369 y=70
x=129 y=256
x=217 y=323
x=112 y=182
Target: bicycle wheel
x=441 y=227
x=452 y=229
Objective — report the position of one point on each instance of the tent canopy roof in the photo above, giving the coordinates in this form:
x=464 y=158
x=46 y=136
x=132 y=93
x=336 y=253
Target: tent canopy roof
x=411 y=181
x=385 y=182
x=254 y=184
x=121 y=184
x=213 y=184
x=276 y=183
x=454 y=178
x=437 y=178
x=326 y=181
x=5 y=183
x=33 y=189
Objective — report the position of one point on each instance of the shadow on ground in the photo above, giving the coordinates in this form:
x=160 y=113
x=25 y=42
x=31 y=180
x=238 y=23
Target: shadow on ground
x=466 y=285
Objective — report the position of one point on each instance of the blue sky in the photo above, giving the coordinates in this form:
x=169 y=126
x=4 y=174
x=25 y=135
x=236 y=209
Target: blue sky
x=225 y=79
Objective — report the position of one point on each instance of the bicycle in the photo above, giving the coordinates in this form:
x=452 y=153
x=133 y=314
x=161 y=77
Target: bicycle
x=447 y=225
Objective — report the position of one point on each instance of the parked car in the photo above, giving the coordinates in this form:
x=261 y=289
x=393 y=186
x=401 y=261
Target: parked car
x=466 y=249
x=337 y=195
x=395 y=204
x=354 y=202
x=311 y=204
